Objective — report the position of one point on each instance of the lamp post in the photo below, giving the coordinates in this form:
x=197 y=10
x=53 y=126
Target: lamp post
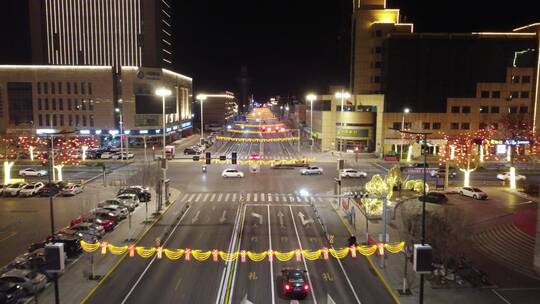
x=405 y=111
x=201 y=98
x=342 y=95
x=121 y=133
x=423 y=240
x=164 y=92
x=311 y=98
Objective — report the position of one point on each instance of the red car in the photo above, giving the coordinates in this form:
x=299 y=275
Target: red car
x=108 y=225
x=294 y=283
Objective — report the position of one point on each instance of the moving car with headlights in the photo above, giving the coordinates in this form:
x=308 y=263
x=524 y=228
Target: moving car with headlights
x=294 y=283
x=191 y=151
x=442 y=172
x=32 y=172
x=311 y=170
x=232 y=173
x=71 y=190
x=123 y=155
x=475 y=193
x=31 y=189
x=352 y=173
x=14 y=189
x=30 y=281
x=506 y=176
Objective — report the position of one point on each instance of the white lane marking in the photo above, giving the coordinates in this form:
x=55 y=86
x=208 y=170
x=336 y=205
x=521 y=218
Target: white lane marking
x=205 y=199
x=262 y=198
x=254 y=197
x=226 y=270
x=198 y=197
x=321 y=200
x=219 y=197
x=270 y=197
x=234 y=197
x=212 y=197
x=277 y=197
x=236 y=263
x=291 y=198
x=191 y=197
x=303 y=259
x=501 y=297
x=227 y=197
x=385 y=170
x=272 y=262
x=185 y=196
x=154 y=258
x=348 y=281
x=248 y=197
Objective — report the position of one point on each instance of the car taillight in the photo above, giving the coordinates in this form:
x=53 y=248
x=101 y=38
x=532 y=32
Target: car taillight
x=306 y=287
x=287 y=287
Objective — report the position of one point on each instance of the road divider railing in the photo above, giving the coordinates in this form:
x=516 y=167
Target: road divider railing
x=202 y=255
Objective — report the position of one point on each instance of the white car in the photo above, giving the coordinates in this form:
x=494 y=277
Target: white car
x=121 y=210
x=311 y=170
x=14 y=189
x=506 y=176
x=31 y=189
x=352 y=173
x=123 y=155
x=475 y=193
x=129 y=200
x=232 y=173
x=71 y=190
x=31 y=281
x=32 y=172
x=107 y=155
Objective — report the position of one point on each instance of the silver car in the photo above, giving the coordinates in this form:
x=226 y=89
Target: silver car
x=121 y=210
x=117 y=202
x=129 y=200
x=31 y=281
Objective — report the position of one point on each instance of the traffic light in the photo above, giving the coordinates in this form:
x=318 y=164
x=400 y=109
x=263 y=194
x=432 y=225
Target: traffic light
x=208 y=158
x=233 y=158
x=356 y=148
x=196 y=158
x=222 y=157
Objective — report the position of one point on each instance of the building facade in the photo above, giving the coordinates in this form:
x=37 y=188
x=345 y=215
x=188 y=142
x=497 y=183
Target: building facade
x=110 y=33
x=82 y=98
x=219 y=109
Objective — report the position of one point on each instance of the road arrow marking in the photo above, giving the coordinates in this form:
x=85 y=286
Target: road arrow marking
x=329 y=299
x=281 y=215
x=222 y=219
x=245 y=300
x=256 y=215
x=294 y=302
x=196 y=217
x=304 y=221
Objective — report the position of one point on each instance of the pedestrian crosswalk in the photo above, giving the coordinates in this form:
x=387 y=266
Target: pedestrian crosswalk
x=250 y=197
x=509 y=246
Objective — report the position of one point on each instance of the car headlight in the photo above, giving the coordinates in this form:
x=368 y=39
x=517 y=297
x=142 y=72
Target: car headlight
x=99 y=221
x=110 y=214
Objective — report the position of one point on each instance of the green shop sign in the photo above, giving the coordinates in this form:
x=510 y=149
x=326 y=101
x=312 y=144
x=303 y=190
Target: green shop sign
x=353 y=132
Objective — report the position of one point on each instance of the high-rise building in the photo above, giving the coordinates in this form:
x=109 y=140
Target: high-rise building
x=102 y=32
x=371 y=22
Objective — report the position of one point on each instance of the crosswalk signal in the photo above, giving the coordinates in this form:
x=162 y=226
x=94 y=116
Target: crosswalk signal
x=208 y=158
x=234 y=158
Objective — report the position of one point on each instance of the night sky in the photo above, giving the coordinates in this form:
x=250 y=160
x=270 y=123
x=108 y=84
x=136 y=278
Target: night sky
x=288 y=46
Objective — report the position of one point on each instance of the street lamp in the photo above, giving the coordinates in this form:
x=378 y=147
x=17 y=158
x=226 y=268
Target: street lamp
x=201 y=98
x=405 y=111
x=311 y=98
x=342 y=95
x=164 y=92
x=121 y=133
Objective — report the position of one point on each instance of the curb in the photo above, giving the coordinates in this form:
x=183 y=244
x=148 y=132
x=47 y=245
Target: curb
x=125 y=254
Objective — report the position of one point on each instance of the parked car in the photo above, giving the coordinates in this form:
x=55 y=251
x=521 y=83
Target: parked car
x=106 y=214
x=107 y=155
x=32 y=172
x=71 y=190
x=11 y=293
x=108 y=225
x=352 y=173
x=123 y=155
x=506 y=176
x=129 y=200
x=232 y=173
x=475 y=193
x=442 y=172
x=72 y=244
x=89 y=228
x=142 y=193
x=83 y=235
x=31 y=189
x=294 y=283
x=311 y=170
x=118 y=202
x=14 y=189
x=433 y=197
x=48 y=188
x=34 y=260
x=123 y=211
x=31 y=281
x=2 y=186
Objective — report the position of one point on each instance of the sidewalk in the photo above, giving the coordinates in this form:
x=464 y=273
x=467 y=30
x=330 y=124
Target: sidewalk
x=75 y=283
